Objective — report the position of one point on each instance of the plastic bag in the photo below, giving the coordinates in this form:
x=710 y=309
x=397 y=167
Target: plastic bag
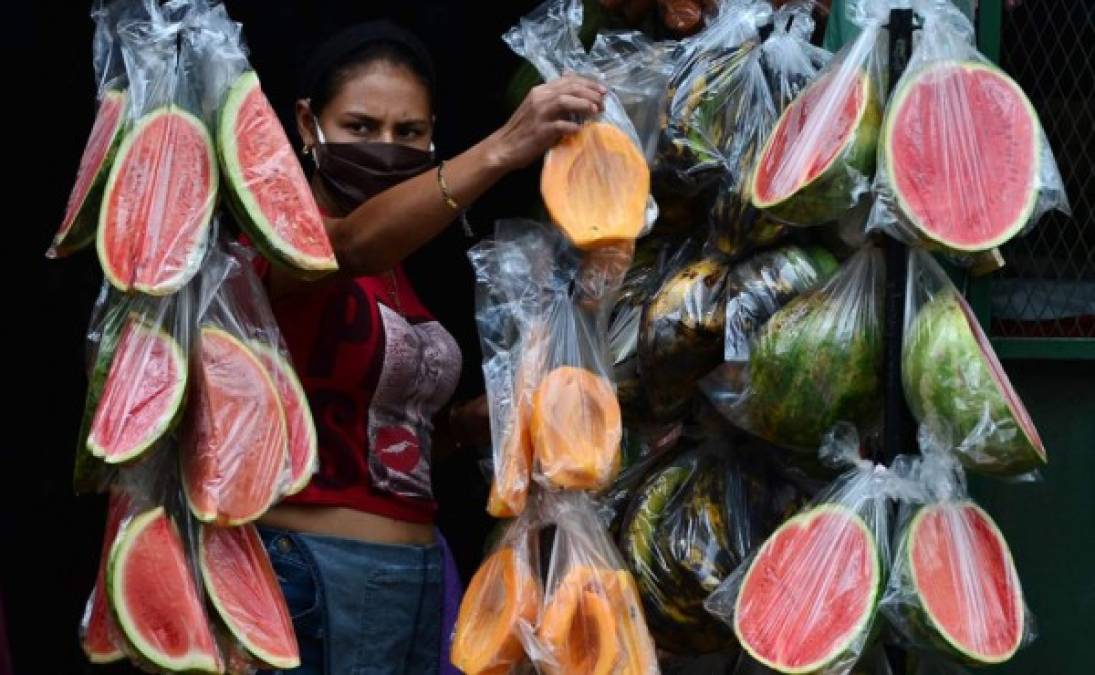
x=954 y=587
x=268 y=193
x=138 y=381
x=154 y=225
x=954 y=383
x=805 y=601
x=818 y=161
x=501 y=606
x=248 y=438
x=592 y=619
x=964 y=164
x=815 y=362
x=604 y=197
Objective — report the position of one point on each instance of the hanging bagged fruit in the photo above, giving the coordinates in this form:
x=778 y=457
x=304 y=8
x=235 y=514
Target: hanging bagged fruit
x=954 y=383
x=818 y=161
x=805 y=601
x=595 y=182
x=99 y=635
x=964 y=164
x=592 y=619
x=154 y=220
x=954 y=587
x=815 y=362
x=81 y=217
x=501 y=605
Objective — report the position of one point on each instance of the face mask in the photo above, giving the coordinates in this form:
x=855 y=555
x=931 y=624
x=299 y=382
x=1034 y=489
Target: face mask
x=355 y=172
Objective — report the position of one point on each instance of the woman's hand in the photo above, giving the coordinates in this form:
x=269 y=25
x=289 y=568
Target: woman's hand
x=469 y=422
x=549 y=112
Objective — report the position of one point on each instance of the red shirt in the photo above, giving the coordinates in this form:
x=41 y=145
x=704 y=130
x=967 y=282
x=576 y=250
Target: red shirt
x=376 y=366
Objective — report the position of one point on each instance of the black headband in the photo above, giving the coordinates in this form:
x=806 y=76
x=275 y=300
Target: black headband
x=341 y=48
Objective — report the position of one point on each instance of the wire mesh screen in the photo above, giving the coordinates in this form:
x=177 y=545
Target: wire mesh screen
x=1047 y=289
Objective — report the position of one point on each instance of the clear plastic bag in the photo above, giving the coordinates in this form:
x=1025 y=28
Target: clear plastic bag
x=248 y=438
x=954 y=383
x=592 y=619
x=815 y=362
x=964 y=164
x=818 y=161
x=595 y=183
x=805 y=601
x=501 y=606
x=954 y=587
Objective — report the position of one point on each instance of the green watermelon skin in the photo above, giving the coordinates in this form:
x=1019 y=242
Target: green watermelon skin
x=956 y=388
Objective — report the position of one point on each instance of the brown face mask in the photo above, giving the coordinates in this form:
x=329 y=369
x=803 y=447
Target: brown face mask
x=353 y=173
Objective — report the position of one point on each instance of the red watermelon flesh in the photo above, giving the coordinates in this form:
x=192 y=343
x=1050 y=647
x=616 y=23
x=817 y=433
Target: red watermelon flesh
x=243 y=587
x=78 y=227
x=966 y=581
x=810 y=592
x=298 y=417
x=154 y=219
x=961 y=144
x=142 y=396
x=800 y=148
x=154 y=597
x=267 y=183
x=236 y=444
x=98 y=626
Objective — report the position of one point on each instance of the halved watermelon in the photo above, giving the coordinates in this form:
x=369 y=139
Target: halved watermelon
x=234 y=451
x=303 y=453
x=242 y=586
x=157 y=204
x=81 y=214
x=809 y=595
x=267 y=187
x=154 y=597
x=821 y=152
x=97 y=629
x=963 y=583
x=142 y=396
x=960 y=144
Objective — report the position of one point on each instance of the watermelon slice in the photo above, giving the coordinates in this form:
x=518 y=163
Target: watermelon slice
x=81 y=214
x=811 y=170
x=269 y=193
x=303 y=453
x=963 y=583
x=154 y=598
x=236 y=441
x=242 y=586
x=142 y=396
x=955 y=385
x=808 y=597
x=98 y=628
x=960 y=144
x=157 y=204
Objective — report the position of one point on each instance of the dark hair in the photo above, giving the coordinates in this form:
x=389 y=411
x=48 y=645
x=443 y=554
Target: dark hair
x=336 y=59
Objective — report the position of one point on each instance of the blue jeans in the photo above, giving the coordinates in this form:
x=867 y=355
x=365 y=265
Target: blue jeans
x=359 y=608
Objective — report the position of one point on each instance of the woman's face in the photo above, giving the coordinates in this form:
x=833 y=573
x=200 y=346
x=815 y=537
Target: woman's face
x=380 y=102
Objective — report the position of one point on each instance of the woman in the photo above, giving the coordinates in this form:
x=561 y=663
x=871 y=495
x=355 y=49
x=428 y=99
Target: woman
x=356 y=550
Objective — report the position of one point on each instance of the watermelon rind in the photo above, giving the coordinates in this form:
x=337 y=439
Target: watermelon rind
x=194 y=662
x=827 y=196
x=242 y=201
x=187 y=271
x=862 y=629
x=950 y=387
x=903 y=208
x=275 y=661
x=81 y=232
x=285 y=370
x=936 y=634
x=275 y=494
x=174 y=410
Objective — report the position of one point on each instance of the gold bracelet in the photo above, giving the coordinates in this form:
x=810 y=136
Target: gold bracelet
x=445 y=194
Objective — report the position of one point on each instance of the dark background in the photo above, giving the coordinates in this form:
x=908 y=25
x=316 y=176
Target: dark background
x=50 y=539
